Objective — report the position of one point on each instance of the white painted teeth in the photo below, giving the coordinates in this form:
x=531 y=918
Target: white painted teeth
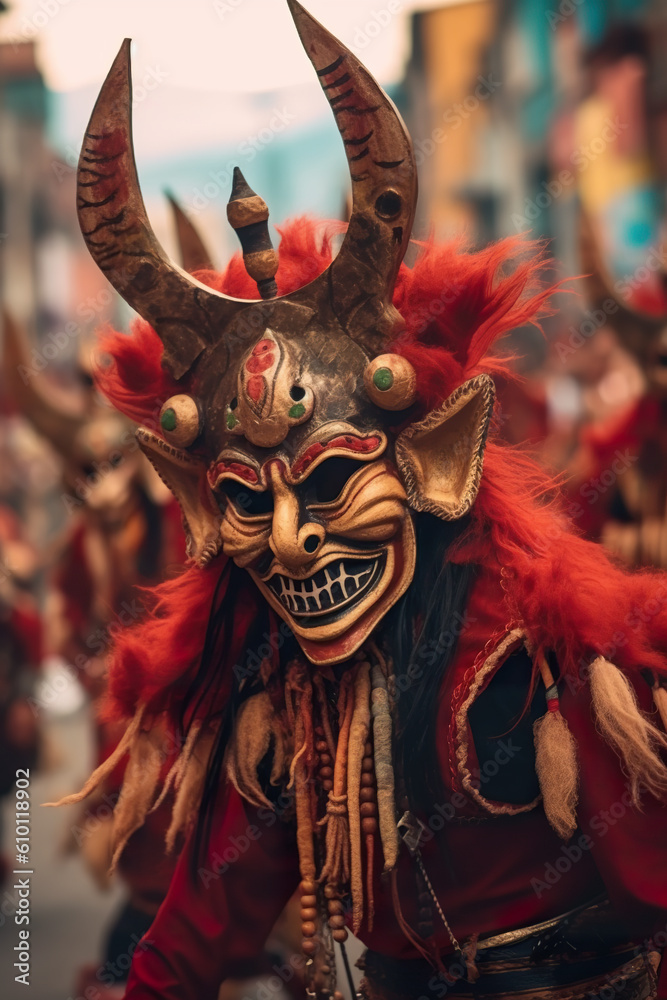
x=335 y=585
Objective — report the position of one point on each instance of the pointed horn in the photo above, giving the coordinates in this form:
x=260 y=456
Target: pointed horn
x=186 y=315
x=193 y=251
x=52 y=411
x=384 y=184
x=248 y=216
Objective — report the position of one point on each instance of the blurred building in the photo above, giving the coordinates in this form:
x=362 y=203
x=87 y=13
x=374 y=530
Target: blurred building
x=519 y=108
x=47 y=279
x=450 y=90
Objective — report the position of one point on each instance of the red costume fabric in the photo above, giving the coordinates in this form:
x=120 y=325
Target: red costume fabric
x=493 y=870
x=500 y=872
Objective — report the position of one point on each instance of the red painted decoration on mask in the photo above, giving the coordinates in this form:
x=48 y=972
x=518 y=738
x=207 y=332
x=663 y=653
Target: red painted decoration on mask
x=347 y=442
x=237 y=468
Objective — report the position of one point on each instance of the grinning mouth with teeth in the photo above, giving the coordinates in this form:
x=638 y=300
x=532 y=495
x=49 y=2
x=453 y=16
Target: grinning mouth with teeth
x=333 y=589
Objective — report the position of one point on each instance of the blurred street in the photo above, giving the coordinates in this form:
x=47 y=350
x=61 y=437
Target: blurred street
x=67 y=912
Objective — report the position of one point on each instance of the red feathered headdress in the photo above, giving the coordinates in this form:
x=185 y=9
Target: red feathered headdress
x=456 y=305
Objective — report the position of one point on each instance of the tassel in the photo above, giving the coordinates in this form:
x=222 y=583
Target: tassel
x=556 y=761
x=358 y=736
x=336 y=868
x=660 y=700
x=634 y=738
x=384 y=770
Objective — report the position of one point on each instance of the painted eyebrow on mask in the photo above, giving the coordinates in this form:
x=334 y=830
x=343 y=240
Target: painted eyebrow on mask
x=324 y=485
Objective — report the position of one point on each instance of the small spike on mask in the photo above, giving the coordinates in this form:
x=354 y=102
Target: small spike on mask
x=248 y=215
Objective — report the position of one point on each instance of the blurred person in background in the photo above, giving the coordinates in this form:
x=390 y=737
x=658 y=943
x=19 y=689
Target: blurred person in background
x=124 y=532
x=619 y=475
x=20 y=656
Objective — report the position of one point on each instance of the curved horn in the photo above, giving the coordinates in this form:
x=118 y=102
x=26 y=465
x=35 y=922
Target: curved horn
x=186 y=315
x=193 y=250
x=384 y=184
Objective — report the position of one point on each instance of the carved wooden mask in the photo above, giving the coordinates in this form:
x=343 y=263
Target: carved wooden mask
x=279 y=447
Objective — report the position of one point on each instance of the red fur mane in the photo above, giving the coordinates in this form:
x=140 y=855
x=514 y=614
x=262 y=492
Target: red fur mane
x=457 y=305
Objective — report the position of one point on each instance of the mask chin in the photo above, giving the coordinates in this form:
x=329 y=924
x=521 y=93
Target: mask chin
x=335 y=610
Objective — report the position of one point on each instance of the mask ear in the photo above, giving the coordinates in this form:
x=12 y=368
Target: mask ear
x=185 y=476
x=440 y=458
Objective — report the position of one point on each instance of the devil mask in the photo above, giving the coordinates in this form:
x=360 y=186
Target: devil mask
x=280 y=446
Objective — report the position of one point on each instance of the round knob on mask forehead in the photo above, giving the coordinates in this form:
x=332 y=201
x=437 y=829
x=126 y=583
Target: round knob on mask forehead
x=180 y=421
x=391 y=382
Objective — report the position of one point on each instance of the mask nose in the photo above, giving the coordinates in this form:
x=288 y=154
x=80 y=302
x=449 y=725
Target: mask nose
x=294 y=543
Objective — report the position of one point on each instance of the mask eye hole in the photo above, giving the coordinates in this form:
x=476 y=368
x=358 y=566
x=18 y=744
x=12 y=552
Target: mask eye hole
x=297 y=392
x=247 y=502
x=180 y=420
x=326 y=483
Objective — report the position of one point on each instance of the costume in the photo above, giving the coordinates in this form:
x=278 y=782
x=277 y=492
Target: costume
x=386 y=640
x=618 y=486
x=124 y=532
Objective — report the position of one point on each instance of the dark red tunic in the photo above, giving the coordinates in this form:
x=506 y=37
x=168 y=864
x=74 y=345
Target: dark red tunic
x=494 y=866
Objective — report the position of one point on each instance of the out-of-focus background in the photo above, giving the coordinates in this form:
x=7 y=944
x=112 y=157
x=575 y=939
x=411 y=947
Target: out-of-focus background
x=546 y=117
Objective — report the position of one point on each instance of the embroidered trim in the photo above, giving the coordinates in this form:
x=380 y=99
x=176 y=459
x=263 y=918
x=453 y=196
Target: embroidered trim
x=512 y=638
x=460 y=693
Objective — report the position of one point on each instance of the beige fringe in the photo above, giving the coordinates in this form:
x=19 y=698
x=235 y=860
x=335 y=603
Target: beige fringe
x=107 y=766
x=627 y=730
x=137 y=794
x=279 y=766
x=556 y=761
x=175 y=772
x=255 y=725
x=660 y=699
x=557 y=772
x=190 y=787
x=358 y=735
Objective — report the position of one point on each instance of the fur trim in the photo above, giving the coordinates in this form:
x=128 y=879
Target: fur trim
x=634 y=738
